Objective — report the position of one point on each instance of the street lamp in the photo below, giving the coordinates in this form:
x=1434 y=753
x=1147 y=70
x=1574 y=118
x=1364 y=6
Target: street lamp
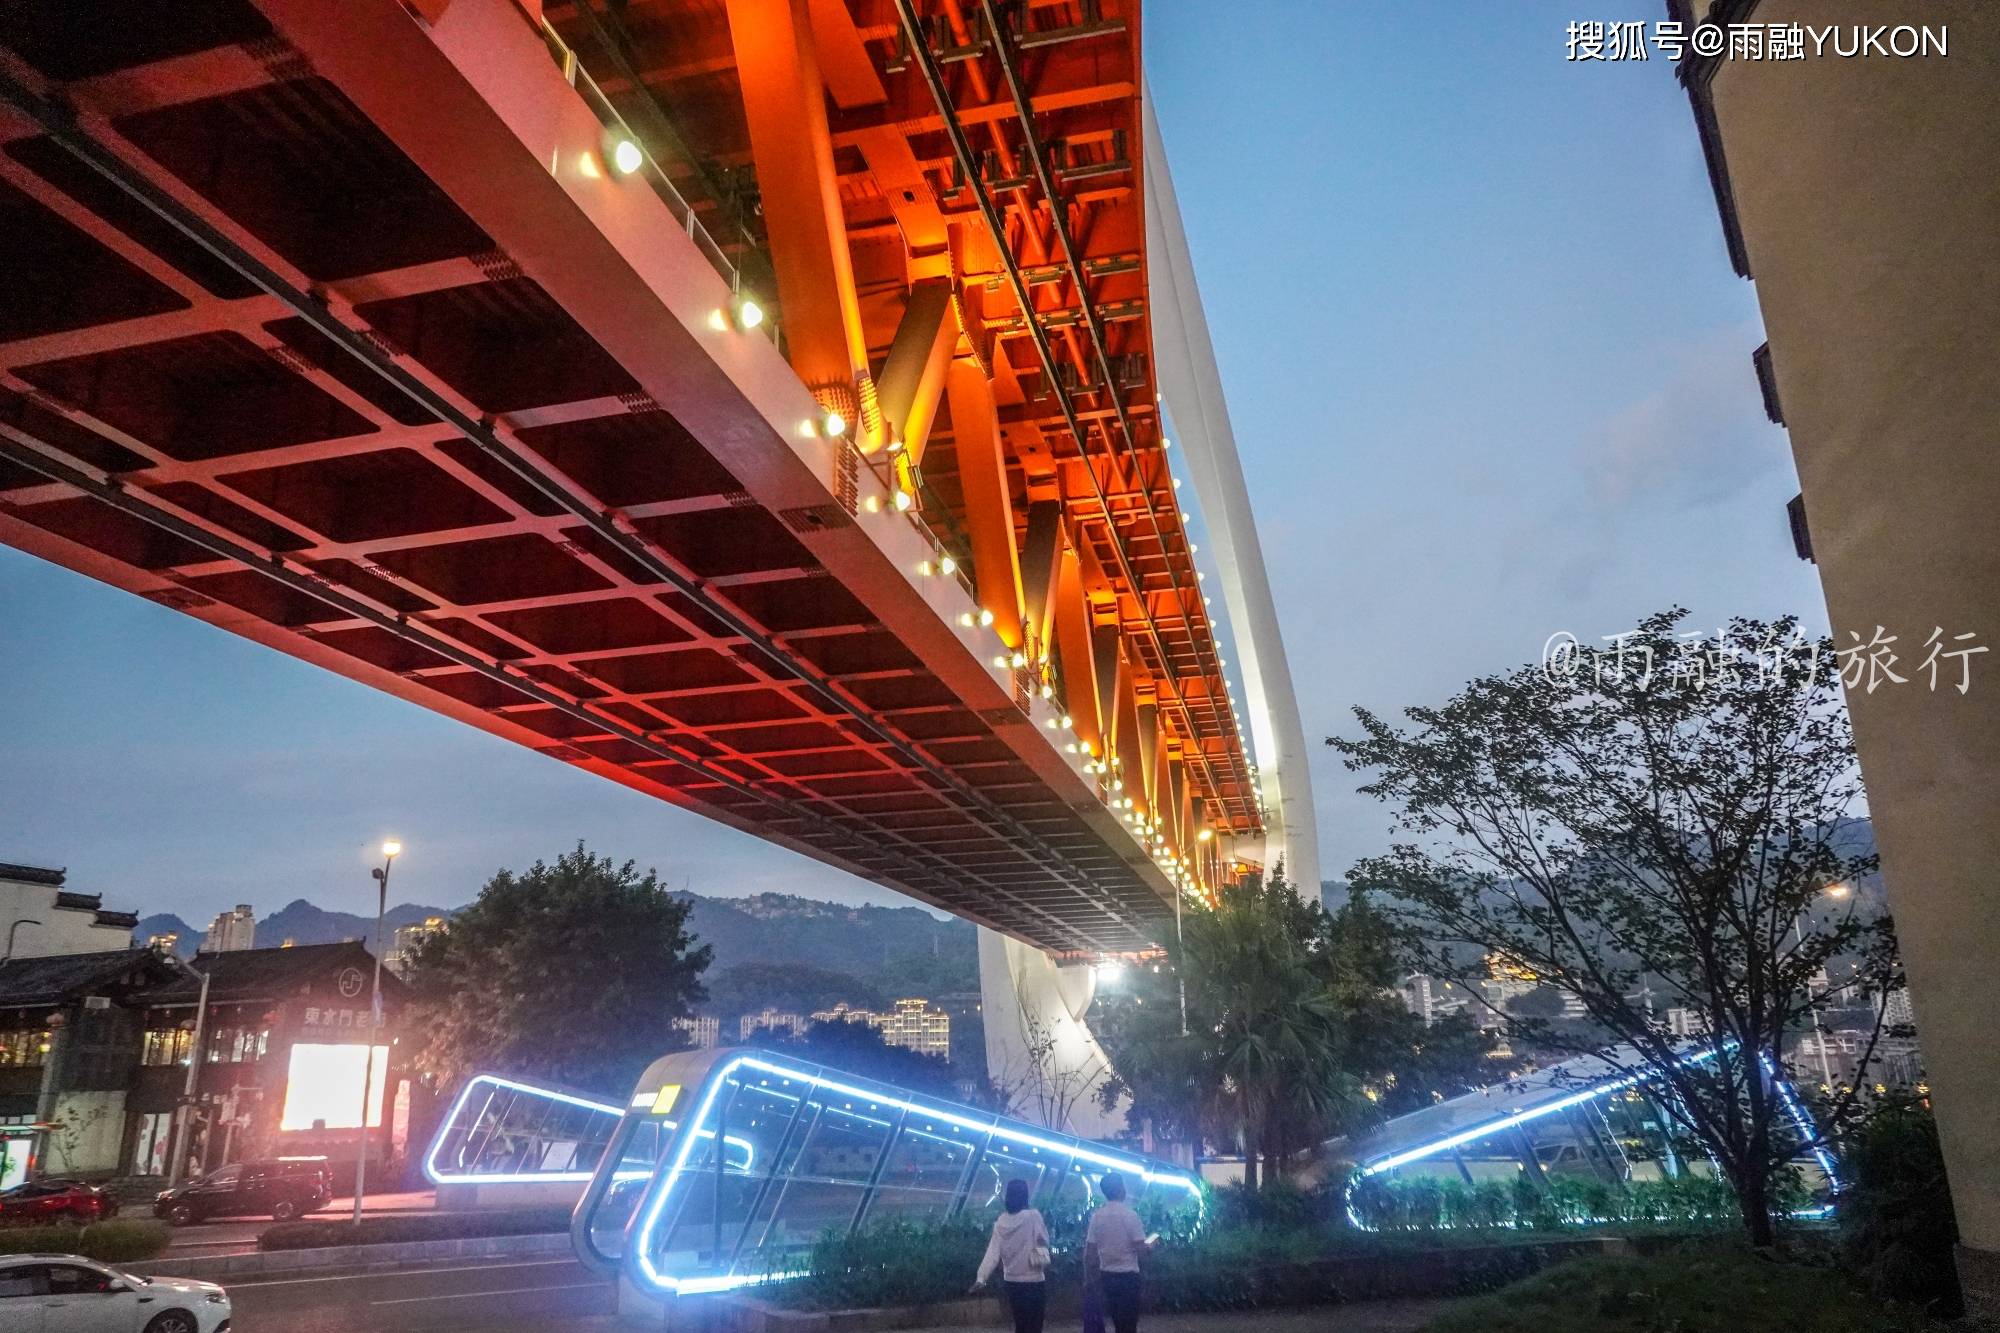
x=1835 y=891
x=184 y=1121
x=24 y=921
x=391 y=849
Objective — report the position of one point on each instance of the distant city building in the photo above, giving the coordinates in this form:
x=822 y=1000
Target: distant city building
x=1897 y=1011
x=846 y=1013
x=39 y=918
x=916 y=1025
x=782 y=1025
x=406 y=940
x=1431 y=999
x=1683 y=1022
x=703 y=1033
x=231 y=931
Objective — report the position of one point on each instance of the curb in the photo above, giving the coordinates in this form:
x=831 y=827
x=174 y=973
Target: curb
x=350 y=1258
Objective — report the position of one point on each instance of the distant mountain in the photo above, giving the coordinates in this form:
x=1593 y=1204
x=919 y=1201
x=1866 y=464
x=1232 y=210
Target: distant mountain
x=894 y=947
x=166 y=923
x=300 y=922
x=890 y=951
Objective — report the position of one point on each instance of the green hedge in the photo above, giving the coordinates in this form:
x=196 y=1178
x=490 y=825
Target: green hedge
x=1687 y=1291
x=114 y=1242
x=407 y=1228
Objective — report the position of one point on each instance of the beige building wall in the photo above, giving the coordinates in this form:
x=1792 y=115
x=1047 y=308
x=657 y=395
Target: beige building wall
x=1868 y=196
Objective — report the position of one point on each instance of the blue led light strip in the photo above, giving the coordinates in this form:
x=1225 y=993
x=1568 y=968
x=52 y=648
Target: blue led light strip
x=441 y=1176
x=1808 y=1131
x=639 y=1252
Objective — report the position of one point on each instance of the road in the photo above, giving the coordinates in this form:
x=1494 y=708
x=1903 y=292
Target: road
x=513 y=1297
x=238 y=1235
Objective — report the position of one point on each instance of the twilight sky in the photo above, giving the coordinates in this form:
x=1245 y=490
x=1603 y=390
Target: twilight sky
x=1487 y=364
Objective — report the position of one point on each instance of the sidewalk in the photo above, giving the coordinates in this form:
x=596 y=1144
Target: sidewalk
x=1361 y=1317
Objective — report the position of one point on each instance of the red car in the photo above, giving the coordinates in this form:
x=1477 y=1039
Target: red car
x=45 y=1201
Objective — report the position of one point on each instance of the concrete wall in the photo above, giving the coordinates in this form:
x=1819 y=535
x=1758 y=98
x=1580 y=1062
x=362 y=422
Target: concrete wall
x=1039 y=1050
x=1868 y=192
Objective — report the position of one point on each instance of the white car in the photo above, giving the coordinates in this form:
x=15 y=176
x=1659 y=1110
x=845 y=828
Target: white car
x=64 y=1293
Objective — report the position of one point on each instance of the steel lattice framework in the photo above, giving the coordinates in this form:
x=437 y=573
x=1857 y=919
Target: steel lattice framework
x=342 y=326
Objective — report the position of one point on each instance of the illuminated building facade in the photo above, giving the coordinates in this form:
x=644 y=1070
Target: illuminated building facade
x=104 y=1039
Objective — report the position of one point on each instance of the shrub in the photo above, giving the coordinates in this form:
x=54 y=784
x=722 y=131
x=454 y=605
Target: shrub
x=114 y=1242
x=392 y=1230
x=895 y=1263
x=1429 y=1203
x=1896 y=1225
x=1686 y=1290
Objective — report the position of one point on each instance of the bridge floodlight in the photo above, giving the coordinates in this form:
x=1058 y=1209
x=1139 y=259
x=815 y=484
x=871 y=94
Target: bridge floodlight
x=904 y=500
x=748 y=313
x=833 y=423
x=985 y=616
x=947 y=565
x=626 y=156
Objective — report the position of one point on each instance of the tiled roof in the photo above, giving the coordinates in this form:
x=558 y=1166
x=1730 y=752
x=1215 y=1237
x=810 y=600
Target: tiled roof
x=58 y=977
x=268 y=974
x=21 y=874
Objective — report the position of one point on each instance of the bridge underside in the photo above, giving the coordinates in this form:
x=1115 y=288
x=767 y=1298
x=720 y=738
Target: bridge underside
x=334 y=326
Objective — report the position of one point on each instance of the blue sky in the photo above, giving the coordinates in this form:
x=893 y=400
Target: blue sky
x=1489 y=371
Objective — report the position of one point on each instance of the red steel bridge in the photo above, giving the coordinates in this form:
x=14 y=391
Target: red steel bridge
x=753 y=402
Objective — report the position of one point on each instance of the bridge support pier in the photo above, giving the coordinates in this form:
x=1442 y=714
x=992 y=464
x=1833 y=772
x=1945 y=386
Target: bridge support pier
x=1039 y=1050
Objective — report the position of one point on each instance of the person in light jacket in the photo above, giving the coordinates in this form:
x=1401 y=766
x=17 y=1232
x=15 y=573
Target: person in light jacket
x=1019 y=1248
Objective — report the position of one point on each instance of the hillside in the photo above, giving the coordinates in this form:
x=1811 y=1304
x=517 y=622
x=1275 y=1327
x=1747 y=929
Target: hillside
x=884 y=951
x=299 y=921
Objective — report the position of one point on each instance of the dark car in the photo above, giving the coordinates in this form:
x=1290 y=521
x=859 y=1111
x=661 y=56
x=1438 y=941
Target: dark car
x=281 y=1188
x=41 y=1201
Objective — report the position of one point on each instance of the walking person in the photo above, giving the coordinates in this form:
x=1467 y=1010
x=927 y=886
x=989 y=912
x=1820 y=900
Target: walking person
x=1112 y=1244
x=1019 y=1248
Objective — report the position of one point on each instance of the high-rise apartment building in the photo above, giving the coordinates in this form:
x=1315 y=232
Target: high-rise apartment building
x=231 y=931
x=703 y=1032
x=407 y=939
x=1858 y=187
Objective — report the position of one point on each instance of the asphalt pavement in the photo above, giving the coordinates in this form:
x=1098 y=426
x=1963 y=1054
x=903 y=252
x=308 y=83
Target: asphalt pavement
x=502 y=1297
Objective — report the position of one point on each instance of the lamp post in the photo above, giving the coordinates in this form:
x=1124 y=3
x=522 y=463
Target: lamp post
x=177 y=1160
x=24 y=921
x=1819 y=1032
x=390 y=850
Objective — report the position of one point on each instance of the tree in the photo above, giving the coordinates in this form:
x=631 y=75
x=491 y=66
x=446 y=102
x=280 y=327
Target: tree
x=1658 y=826
x=1290 y=1026
x=573 y=972
x=799 y=988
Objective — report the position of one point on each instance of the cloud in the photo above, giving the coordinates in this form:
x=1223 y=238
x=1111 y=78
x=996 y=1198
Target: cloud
x=1697 y=437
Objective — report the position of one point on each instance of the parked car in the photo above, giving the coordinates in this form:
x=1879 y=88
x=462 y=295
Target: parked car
x=282 y=1188
x=66 y=1292
x=41 y=1202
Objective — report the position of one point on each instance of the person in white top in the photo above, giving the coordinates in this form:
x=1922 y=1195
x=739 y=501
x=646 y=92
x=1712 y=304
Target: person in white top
x=1112 y=1245
x=1019 y=1248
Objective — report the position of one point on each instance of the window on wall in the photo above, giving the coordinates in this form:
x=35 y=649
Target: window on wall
x=167 y=1046
x=237 y=1045
x=149 y=1151
x=24 y=1046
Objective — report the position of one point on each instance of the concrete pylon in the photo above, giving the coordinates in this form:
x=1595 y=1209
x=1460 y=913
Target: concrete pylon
x=1039 y=1049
